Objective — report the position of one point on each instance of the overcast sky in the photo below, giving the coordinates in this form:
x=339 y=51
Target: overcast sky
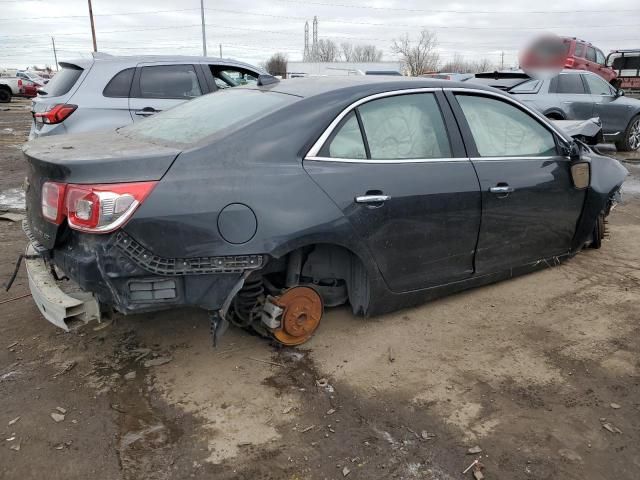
x=251 y=30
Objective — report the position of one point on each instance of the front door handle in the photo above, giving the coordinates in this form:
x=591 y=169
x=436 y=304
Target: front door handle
x=146 y=111
x=372 y=198
x=502 y=189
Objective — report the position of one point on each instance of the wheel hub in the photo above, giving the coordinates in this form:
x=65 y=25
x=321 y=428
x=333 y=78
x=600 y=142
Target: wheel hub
x=302 y=311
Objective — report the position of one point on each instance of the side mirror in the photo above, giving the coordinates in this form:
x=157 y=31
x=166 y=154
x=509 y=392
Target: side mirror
x=571 y=150
x=581 y=175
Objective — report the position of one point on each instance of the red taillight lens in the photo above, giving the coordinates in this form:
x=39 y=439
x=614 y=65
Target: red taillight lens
x=56 y=114
x=99 y=208
x=570 y=62
x=19 y=82
x=53 y=201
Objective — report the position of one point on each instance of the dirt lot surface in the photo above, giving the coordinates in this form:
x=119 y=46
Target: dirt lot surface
x=541 y=372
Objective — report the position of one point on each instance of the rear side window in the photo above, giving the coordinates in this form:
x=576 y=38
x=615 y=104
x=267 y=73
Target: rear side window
x=405 y=127
x=500 y=129
x=193 y=121
x=348 y=142
x=591 y=54
x=120 y=84
x=169 y=81
x=579 y=50
x=567 y=83
x=599 y=57
x=64 y=80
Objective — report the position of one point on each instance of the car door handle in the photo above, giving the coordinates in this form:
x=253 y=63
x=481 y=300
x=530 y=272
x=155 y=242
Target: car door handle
x=502 y=189
x=372 y=198
x=145 y=112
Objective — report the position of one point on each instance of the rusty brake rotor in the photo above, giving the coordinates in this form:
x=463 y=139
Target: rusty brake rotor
x=302 y=311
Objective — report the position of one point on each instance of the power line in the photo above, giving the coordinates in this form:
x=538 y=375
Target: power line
x=60 y=17
x=419 y=10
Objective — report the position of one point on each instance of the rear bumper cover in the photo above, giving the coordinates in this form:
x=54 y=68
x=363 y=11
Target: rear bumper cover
x=57 y=306
x=120 y=273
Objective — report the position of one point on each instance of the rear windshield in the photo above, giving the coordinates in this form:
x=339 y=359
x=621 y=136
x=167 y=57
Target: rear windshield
x=194 y=120
x=63 y=81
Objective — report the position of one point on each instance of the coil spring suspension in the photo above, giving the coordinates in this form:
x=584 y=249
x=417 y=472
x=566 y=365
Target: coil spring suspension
x=248 y=302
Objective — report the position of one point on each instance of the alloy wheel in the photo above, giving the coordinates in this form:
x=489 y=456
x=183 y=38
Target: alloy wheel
x=634 y=135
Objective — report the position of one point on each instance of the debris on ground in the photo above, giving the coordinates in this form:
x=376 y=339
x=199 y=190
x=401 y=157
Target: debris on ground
x=615 y=406
x=305 y=430
x=14 y=421
x=287 y=410
x=477 y=471
x=331 y=411
x=426 y=435
x=61 y=410
x=102 y=325
x=475 y=462
x=611 y=427
x=392 y=357
x=12 y=217
x=156 y=362
x=57 y=417
x=15 y=447
x=130 y=375
x=68 y=366
x=345 y=471
x=14 y=344
x=474 y=450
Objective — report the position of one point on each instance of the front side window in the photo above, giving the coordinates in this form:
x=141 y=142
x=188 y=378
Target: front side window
x=226 y=77
x=598 y=86
x=591 y=54
x=169 y=81
x=579 y=50
x=348 y=142
x=599 y=57
x=500 y=129
x=568 y=83
x=405 y=127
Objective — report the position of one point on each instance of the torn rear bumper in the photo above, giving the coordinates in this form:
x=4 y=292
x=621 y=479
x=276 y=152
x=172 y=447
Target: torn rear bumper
x=57 y=306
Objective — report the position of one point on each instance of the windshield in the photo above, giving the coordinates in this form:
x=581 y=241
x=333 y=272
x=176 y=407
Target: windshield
x=63 y=81
x=197 y=119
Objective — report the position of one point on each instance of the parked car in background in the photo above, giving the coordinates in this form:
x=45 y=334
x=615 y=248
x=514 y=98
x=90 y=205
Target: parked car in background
x=626 y=64
x=31 y=77
x=12 y=86
x=107 y=92
x=575 y=95
x=582 y=55
x=459 y=77
x=403 y=190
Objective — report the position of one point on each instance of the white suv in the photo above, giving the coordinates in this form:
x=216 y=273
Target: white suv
x=107 y=92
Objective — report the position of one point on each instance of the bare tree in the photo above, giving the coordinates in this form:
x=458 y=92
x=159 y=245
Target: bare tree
x=483 y=65
x=418 y=57
x=457 y=65
x=327 y=51
x=346 y=49
x=277 y=64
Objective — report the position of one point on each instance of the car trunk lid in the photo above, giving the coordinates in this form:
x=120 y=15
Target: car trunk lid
x=87 y=159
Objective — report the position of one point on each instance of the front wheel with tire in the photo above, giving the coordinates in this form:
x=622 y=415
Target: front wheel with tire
x=5 y=95
x=631 y=140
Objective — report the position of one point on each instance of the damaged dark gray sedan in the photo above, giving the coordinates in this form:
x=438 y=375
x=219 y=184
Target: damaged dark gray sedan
x=304 y=194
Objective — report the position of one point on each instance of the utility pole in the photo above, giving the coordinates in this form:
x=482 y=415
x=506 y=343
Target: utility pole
x=502 y=60
x=306 y=55
x=204 y=34
x=55 y=55
x=93 y=28
x=220 y=45
x=314 y=45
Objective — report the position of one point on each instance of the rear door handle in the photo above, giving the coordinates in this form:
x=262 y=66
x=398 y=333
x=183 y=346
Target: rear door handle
x=502 y=189
x=372 y=198
x=145 y=112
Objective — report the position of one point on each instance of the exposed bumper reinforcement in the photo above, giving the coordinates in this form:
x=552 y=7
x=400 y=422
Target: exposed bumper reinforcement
x=55 y=305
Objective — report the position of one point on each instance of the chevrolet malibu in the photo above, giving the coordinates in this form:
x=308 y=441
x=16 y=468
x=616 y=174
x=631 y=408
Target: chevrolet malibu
x=305 y=194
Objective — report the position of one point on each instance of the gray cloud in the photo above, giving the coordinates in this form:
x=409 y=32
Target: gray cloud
x=26 y=26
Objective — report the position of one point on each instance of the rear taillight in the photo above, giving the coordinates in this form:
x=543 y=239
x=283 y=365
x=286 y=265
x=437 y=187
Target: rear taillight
x=56 y=113
x=570 y=62
x=96 y=208
x=19 y=82
x=53 y=201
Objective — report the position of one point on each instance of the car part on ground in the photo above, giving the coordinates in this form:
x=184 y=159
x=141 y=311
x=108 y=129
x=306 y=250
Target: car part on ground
x=375 y=214
x=108 y=92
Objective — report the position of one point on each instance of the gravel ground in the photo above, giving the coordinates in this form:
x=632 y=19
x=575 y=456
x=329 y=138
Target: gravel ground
x=541 y=373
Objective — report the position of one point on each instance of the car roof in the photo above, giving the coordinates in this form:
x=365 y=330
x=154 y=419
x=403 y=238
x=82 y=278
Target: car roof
x=311 y=86
x=132 y=60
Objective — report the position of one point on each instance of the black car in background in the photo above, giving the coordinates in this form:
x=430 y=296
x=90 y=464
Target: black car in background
x=309 y=193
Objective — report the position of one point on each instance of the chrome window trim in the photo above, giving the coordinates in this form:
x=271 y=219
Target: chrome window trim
x=515 y=159
x=317 y=146
x=390 y=161
x=312 y=154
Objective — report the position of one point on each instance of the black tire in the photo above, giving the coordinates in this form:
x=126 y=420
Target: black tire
x=554 y=116
x=599 y=231
x=5 y=95
x=631 y=140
